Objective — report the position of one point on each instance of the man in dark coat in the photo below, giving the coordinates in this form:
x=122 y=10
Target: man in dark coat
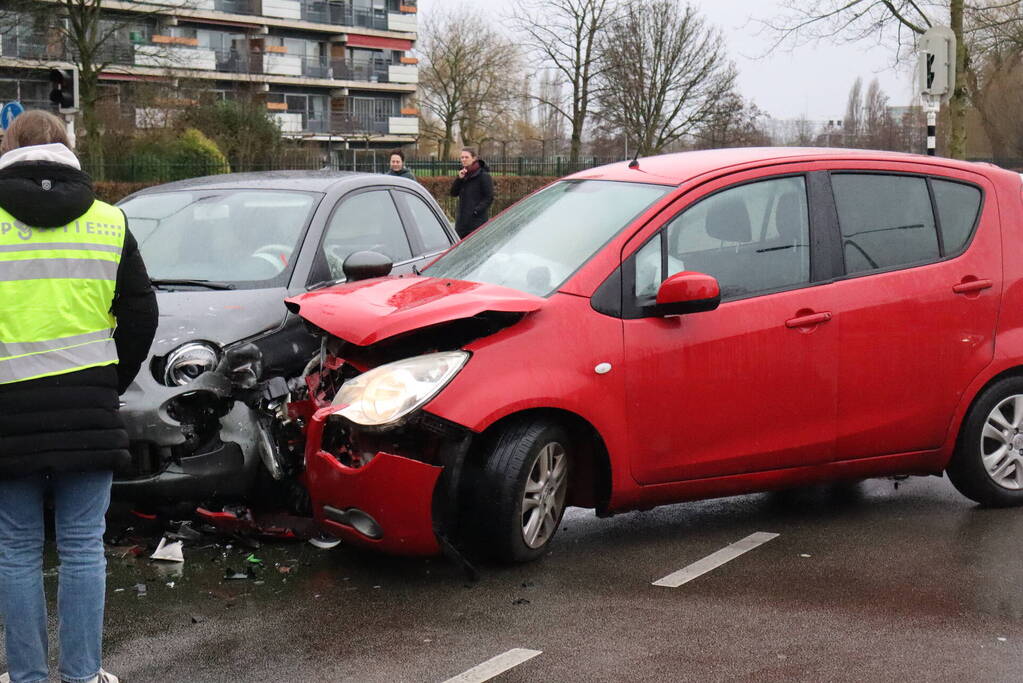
x=398 y=165
x=475 y=191
x=77 y=316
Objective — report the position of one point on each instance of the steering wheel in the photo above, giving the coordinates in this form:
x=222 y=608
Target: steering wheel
x=276 y=255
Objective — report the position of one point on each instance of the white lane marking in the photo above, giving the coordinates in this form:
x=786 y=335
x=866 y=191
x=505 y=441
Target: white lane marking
x=493 y=667
x=715 y=560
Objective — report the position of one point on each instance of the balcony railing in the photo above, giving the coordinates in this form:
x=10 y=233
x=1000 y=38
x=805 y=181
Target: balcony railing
x=227 y=60
x=338 y=123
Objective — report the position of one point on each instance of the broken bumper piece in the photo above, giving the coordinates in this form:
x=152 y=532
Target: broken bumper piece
x=384 y=505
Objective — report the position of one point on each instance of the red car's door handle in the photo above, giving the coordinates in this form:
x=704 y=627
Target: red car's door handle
x=808 y=320
x=972 y=286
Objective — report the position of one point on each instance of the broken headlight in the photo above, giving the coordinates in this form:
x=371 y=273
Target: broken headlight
x=387 y=393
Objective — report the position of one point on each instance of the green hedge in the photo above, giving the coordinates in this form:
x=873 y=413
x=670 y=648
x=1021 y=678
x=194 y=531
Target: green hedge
x=507 y=190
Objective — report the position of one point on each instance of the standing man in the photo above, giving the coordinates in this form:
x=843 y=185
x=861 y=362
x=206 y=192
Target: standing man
x=77 y=316
x=398 y=165
x=475 y=191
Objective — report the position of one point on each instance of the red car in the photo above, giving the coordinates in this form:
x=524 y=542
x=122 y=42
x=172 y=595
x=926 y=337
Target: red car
x=689 y=326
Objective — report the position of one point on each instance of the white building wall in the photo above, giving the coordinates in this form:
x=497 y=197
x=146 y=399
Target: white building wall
x=403 y=125
x=284 y=9
x=282 y=64
x=289 y=123
x=401 y=21
x=175 y=57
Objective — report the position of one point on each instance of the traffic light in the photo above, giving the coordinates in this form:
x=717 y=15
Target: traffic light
x=64 y=92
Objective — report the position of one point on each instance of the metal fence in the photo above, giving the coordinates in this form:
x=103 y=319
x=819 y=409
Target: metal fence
x=143 y=168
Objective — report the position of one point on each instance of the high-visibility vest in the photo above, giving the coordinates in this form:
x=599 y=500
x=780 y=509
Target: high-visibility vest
x=56 y=294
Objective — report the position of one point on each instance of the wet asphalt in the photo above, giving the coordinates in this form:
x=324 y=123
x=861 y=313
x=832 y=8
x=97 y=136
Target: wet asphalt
x=865 y=582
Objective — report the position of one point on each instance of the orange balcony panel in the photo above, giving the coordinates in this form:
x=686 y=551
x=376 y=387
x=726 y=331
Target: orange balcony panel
x=409 y=60
x=407 y=9
x=409 y=111
x=277 y=106
x=279 y=49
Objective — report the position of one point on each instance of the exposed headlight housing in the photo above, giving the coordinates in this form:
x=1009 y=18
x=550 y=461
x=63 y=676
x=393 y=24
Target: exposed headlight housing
x=188 y=361
x=390 y=392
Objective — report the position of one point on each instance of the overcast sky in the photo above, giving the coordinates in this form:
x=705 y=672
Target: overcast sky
x=813 y=80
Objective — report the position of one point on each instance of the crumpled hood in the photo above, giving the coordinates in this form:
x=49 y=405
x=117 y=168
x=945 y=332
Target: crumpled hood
x=222 y=317
x=370 y=311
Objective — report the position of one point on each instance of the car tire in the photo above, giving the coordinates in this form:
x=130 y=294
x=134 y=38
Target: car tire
x=987 y=465
x=524 y=488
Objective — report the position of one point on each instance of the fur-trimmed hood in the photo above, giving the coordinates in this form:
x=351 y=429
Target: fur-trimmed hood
x=43 y=185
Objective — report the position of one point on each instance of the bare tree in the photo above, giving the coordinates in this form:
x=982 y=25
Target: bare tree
x=663 y=73
x=851 y=124
x=734 y=122
x=899 y=21
x=464 y=74
x=564 y=33
x=877 y=126
x=83 y=33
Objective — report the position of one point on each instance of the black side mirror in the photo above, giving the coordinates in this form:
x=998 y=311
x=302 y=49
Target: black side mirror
x=363 y=265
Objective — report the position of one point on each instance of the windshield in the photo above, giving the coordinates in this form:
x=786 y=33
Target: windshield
x=246 y=237
x=537 y=244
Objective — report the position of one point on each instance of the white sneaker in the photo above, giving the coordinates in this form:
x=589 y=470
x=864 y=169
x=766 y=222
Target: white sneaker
x=5 y=677
x=102 y=677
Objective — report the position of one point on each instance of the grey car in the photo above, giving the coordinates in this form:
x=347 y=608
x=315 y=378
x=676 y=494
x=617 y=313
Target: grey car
x=223 y=252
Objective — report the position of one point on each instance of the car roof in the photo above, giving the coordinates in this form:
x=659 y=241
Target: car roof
x=309 y=181
x=677 y=168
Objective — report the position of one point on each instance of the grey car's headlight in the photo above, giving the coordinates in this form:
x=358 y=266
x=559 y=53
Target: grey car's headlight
x=387 y=393
x=188 y=361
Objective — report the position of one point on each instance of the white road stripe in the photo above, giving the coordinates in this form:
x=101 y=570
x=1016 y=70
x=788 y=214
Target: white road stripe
x=715 y=560
x=495 y=666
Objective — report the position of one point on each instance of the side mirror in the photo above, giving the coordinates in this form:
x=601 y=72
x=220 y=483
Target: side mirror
x=363 y=265
x=687 y=292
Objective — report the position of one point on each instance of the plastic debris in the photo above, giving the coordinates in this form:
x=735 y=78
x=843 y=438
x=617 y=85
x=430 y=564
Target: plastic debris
x=252 y=559
x=170 y=552
x=232 y=575
x=140 y=588
x=324 y=542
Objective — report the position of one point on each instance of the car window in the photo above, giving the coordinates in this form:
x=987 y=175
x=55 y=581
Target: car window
x=885 y=220
x=367 y=221
x=752 y=238
x=431 y=230
x=958 y=206
x=245 y=237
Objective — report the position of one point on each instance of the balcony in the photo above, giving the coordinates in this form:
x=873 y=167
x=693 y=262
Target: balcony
x=344 y=124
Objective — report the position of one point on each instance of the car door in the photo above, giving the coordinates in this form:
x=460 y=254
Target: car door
x=750 y=386
x=363 y=220
x=917 y=307
x=429 y=231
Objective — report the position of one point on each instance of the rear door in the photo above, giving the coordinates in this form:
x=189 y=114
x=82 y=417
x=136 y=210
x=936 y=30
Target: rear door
x=917 y=307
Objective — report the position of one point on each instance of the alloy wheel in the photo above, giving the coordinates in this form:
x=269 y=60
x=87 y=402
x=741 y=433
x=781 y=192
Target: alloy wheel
x=544 y=496
x=1001 y=443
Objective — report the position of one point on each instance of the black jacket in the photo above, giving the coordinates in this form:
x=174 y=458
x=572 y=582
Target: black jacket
x=70 y=422
x=403 y=173
x=475 y=194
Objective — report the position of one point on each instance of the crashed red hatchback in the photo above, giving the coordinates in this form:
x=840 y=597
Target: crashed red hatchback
x=691 y=326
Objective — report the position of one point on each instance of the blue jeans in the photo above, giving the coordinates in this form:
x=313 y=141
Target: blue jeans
x=80 y=504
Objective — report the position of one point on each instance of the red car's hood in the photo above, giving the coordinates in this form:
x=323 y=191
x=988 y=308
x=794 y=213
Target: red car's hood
x=367 y=312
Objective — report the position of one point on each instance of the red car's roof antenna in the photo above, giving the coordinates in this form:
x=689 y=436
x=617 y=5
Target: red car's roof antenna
x=635 y=161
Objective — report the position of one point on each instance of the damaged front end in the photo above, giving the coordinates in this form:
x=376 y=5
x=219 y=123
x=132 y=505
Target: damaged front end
x=381 y=471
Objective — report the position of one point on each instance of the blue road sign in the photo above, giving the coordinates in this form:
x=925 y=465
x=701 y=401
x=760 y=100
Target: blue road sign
x=7 y=114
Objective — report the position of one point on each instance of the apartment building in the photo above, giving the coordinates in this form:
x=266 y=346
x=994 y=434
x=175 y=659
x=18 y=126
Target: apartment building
x=336 y=73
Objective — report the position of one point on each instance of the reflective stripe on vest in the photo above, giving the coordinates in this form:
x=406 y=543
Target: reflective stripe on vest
x=56 y=292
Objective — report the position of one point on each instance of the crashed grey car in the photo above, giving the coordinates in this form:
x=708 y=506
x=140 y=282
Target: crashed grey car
x=223 y=252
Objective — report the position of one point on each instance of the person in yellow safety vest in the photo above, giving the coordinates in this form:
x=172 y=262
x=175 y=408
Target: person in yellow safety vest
x=77 y=316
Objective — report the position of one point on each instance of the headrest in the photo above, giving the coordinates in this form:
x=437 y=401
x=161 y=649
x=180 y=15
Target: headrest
x=788 y=218
x=728 y=220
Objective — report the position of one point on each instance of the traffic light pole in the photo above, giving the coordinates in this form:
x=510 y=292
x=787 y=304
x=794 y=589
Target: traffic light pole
x=70 y=120
x=931 y=105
